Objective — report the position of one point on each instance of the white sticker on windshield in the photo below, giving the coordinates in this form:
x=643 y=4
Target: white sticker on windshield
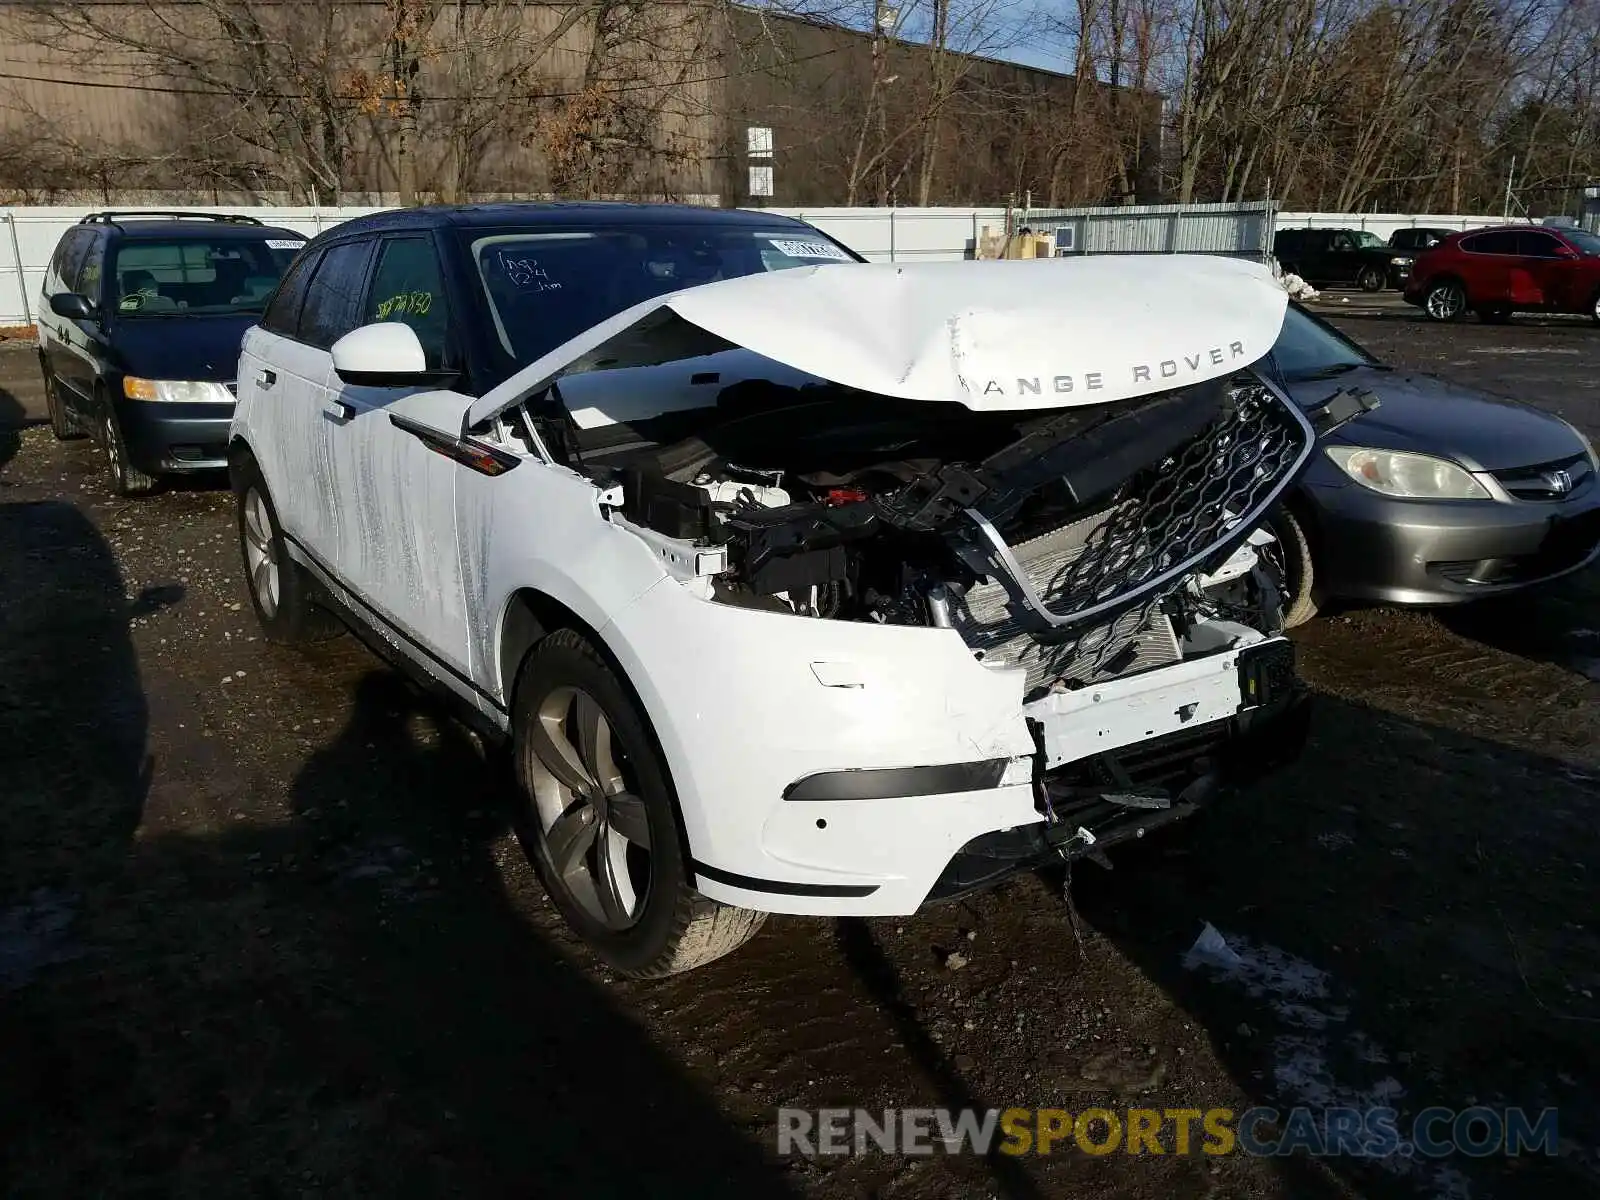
x=796 y=249
x=285 y=243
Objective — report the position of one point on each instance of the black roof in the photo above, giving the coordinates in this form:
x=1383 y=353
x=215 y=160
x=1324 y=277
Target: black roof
x=555 y=214
x=157 y=229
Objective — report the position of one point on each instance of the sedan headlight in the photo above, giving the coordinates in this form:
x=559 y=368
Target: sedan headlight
x=175 y=391
x=1410 y=476
x=1594 y=459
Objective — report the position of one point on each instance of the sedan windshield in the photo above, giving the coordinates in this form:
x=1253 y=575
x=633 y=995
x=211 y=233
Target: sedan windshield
x=546 y=287
x=1308 y=349
x=196 y=276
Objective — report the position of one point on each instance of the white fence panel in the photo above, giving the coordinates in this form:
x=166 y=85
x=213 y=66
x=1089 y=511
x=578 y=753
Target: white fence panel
x=28 y=235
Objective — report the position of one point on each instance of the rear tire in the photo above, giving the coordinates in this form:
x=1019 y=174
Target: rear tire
x=1370 y=279
x=280 y=589
x=65 y=427
x=1445 y=300
x=1292 y=563
x=599 y=821
x=126 y=479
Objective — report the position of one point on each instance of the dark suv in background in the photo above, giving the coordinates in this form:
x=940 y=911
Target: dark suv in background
x=1341 y=256
x=139 y=334
x=1417 y=238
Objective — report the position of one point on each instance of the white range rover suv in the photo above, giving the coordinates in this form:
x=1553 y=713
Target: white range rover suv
x=796 y=584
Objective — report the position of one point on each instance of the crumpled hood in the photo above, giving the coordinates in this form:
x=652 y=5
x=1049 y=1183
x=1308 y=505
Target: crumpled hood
x=990 y=335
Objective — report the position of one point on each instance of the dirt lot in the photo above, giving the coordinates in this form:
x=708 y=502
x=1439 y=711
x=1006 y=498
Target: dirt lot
x=263 y=931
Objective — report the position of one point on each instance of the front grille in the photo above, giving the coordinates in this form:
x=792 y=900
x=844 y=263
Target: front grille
x=1548 y=481
x=1165 y=523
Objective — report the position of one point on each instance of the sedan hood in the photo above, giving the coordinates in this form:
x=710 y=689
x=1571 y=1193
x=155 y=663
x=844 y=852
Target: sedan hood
x=991 y=336
x=182 y=347
x=1418 y=412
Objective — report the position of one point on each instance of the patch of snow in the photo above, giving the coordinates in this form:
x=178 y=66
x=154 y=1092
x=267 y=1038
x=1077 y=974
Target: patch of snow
x=1316 y=1034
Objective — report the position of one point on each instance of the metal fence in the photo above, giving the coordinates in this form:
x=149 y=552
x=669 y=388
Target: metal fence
x=1234 y=229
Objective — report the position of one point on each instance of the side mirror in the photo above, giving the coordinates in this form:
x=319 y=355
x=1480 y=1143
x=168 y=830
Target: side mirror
x=387 y=355
x=71 y=306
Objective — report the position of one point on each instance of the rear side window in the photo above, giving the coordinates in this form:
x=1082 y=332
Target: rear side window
x=283 y=311
x=333 y=298
x=407 y=286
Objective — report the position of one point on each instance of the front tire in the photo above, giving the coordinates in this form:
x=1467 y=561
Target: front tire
x=280 y=589
x=599 y=822
x=1291 y=561
x=1445 y=300
x=1370 y=279
x=126 y=479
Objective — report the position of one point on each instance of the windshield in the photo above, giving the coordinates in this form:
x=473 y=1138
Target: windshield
x=545 y=288
x=1366 y=238
x=1308 y=349
x=1584 y=241
x=228 y=275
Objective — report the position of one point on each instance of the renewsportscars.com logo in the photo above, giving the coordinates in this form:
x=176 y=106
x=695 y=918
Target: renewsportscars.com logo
x=1362 y=1133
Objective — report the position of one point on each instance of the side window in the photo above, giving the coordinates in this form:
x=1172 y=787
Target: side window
x=1341 y=241
x=91 y=277
x=1538 y=245
x=1502 y=242
x=334 y=295
x=72 y=253
x=408 y=287
x=283 y=310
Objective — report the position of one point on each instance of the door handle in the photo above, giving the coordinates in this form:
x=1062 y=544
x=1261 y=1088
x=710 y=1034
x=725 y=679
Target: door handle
x=339 y=410
x=266 y=379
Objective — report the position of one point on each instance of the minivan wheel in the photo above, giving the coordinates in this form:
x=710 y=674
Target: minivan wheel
x=599 y=822
x=1445 y=301
x=126 y=479
x=280 y=589
x=65 y=427
x=1371 y=279
x=1290 y=560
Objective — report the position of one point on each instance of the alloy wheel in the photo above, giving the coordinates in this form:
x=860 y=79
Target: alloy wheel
x=260 y=558
x=113 y=451
x=1445 y=302
x=593 y=821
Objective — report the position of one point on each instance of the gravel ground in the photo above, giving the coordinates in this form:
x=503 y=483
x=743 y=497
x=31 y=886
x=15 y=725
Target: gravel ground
x=263 y=930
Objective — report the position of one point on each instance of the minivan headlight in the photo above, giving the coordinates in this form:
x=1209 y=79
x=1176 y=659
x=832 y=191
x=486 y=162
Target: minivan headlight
x=1409 y=476
x=175 y=391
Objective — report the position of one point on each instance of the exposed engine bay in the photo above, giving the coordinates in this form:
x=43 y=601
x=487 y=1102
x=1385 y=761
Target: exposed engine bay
x=1080 y=543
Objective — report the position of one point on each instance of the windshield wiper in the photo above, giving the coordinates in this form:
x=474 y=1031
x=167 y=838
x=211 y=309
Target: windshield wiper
x=1327 y=372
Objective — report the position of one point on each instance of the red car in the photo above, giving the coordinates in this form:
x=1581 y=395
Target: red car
x=1514 y=268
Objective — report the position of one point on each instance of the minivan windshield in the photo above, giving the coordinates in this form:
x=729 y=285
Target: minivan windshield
x=1308 y=349
x=545 y=287
x=197 y=276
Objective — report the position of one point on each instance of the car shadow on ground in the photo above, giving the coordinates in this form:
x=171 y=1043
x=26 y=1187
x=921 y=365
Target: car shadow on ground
x=1556 y=623
x=1388 y=938
x=344 y=1000
x=13 y=419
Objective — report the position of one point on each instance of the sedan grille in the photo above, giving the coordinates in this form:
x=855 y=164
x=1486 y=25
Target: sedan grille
x=1548 y=481
x=1167 y=522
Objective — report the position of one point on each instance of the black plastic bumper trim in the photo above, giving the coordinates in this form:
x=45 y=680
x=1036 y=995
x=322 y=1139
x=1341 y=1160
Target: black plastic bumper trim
x=781 y=887
x=882 y=783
